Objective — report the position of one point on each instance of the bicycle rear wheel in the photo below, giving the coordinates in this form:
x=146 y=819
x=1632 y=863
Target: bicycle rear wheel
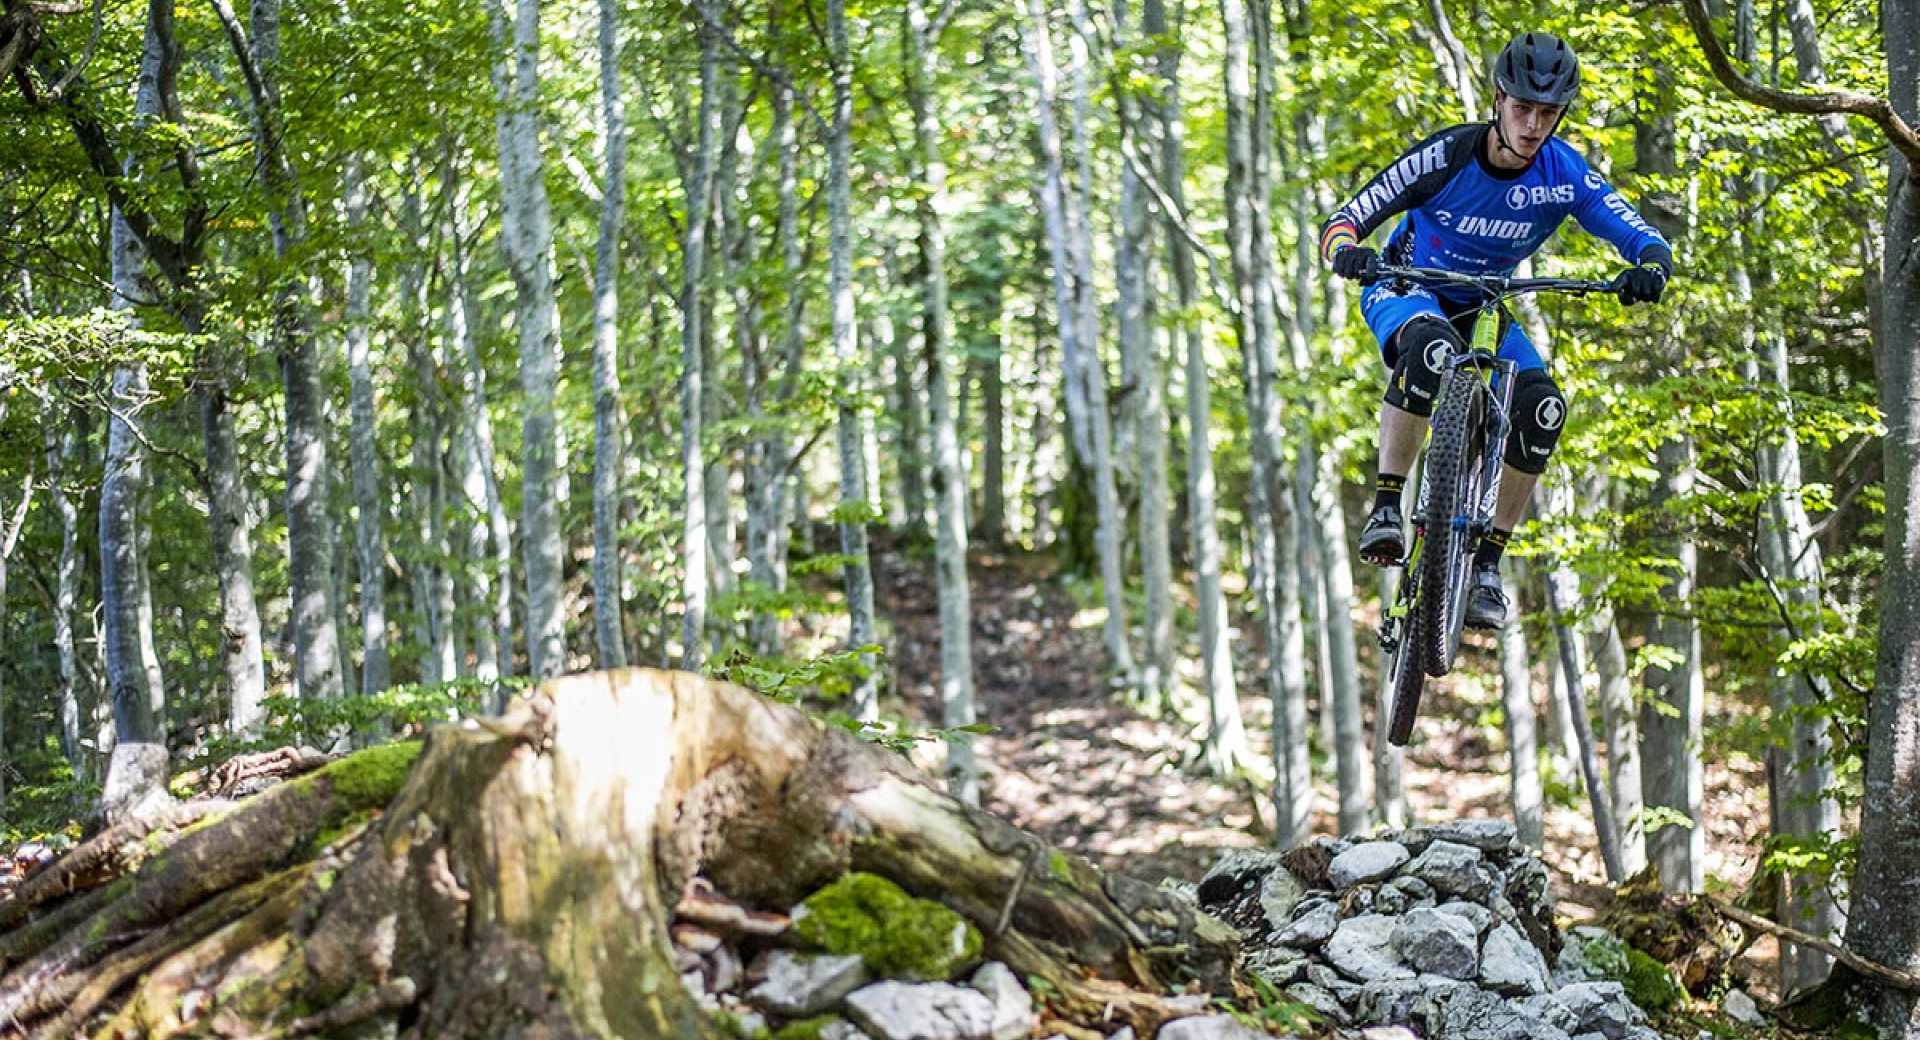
x=1452 y=479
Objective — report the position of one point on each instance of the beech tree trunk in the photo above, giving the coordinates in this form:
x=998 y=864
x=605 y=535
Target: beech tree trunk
x=136 y=776
x=609 y=444
x=854 y=503
x=528 y=240
x=363 y=451
x=1882 y=925
x=64 y=447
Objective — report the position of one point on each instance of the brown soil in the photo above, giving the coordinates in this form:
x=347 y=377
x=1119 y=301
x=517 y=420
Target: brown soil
x=1072 y=762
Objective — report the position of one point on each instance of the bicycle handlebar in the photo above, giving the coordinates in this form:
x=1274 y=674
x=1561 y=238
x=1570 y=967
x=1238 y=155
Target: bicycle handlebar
x=1493 y=285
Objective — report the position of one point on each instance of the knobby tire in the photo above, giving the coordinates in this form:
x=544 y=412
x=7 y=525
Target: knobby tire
x=1409 y=678
x=1452 y=461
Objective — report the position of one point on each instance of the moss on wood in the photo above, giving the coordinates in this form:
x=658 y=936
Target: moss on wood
x=897 y=935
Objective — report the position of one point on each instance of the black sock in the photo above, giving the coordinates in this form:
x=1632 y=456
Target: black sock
x=1492 y=545
x=1387 y=489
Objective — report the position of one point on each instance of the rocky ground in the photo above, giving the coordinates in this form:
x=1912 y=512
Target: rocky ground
x=1071 y=762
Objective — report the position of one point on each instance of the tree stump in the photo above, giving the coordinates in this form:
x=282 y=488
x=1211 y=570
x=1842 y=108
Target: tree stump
x=523 y=880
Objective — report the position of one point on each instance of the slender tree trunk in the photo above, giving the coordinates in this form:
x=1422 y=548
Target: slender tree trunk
x=1141 y=372
x=1274 y=531
x=909 y=429
x=528 y=238
x=693 y=466
x=490 y=536
x=137 y=769
x=369 y=538
x=1093 y=367
x=1671 y=716
x=609 y=444
x=949 y=475
x=1389 y=762
x=1881 y=923
x=1523 y=746
x=1226 y=739
x=63 y=466
x=846 y=352
x=991 y=520
x=10 y=529
x=1621 y=723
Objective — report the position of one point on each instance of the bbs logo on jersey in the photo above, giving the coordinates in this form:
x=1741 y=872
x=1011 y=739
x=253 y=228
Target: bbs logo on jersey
x=1520 y=196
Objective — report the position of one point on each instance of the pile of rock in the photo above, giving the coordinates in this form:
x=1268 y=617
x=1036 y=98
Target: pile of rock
x=1448 y=929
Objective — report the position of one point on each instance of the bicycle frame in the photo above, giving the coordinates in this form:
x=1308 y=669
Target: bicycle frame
x=1496 y=375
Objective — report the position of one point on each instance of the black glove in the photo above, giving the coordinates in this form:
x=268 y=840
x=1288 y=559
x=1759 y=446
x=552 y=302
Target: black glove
x=1355 y=262
x=1642 y=284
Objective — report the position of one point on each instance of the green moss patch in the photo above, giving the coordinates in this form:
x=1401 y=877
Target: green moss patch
x=1649 y=983
x=370 y=779
x=897 y=935
x=806 y=1028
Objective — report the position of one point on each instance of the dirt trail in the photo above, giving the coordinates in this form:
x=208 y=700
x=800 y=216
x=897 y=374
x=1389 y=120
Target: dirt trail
x=1072 y=763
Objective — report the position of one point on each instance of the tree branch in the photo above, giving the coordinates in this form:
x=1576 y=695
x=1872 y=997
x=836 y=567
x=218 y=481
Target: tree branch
x=1877 y=110
x=1877 y=972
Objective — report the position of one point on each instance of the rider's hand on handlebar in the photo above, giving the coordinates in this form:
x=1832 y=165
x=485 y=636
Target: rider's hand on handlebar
x=1642 y=284
x=1357 y=263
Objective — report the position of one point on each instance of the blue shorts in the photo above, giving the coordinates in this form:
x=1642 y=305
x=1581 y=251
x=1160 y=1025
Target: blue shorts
x=1387 y=305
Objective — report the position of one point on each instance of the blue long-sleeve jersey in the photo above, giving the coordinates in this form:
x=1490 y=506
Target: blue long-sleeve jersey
x=1465 y=214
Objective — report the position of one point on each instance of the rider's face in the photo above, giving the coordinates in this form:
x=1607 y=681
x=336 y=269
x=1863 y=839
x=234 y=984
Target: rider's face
x=1527 y=124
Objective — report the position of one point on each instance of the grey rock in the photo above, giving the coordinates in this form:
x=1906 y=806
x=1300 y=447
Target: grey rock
x=1438 y=943
x=1454 y=869
x=1388 y=1033
x=1485 y=835
x=1741 y=1008
x=1547 y=1008
x=1509 y=964
x=921 y=1011
x=1390 y=901
x=840 y=1029
x=1362 y=949
x=1280 y=892
x=1125 y=1033
x=1586 y=950
x=1601 y=1007
x=1240 y=866
x=1473 y=913
x=1403 y=1001
x=1188 y=1004
x=1012 y=1005
x=1209 y=1027
x=798 y=985
x=723 y=969
x=1320 y=1000
x=1416 y=839
x=1367 y=861
x=1326 y=978
x=1475 y=1014
x=1359 y=900
x=1278 y=965
x=1418 y=892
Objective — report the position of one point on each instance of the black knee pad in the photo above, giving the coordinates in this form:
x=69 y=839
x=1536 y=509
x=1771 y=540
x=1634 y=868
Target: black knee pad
x=1539 y=414
x=1423 y=343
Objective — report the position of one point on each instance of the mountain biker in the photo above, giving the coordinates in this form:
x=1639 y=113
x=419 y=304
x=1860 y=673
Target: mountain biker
x=1479 y=198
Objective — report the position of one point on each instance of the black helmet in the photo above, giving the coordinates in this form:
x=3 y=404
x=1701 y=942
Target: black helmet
x=1538 y=67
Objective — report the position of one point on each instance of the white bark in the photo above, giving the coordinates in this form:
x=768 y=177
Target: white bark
x=10 y=529
x=695 y=584
x=609 y=444
x=949 y=474
x=1226 y=739
x=369 y=538
x=1622 y=725
x=767 y=472
x=489 y=536
x=63 y=451
x=1093 y=366
x=137 y=769
x=1141 y=372
x=528 y=241
x=1525 y=794
x=1389 y=762
x=854 y=501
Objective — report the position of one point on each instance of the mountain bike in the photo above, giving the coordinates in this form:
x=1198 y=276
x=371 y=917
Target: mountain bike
x=1459 y=486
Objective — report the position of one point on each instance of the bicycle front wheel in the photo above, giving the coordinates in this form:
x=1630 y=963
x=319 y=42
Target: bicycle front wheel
x=1409 y=668
x=1452 y=477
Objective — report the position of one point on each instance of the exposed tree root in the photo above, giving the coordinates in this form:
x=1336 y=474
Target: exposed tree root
x=528 y=871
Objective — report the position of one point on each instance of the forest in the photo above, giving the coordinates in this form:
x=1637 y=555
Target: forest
x=363 y=366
